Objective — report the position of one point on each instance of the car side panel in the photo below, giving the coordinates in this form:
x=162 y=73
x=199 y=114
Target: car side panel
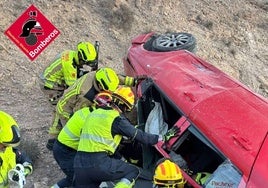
x=235 y=124
x=181 y=75
x=259 y=174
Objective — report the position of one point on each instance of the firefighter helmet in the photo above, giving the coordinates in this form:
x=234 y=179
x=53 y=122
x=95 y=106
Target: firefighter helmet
x=103 y=98
x=9 y=130
x=87 y=53
x=124 y=98
x=168 y=174
x=107 y=78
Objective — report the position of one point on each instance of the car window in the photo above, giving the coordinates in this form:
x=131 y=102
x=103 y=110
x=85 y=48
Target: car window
x=201 y=137
x=151 y=94
x=192 y=151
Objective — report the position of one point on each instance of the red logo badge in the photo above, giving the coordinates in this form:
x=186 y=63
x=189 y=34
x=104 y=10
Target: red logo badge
x=32 y=32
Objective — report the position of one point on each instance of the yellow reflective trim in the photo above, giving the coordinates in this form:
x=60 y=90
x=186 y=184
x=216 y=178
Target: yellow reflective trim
x=51 y=67
x=99 y=139
x=73 y=90
x=70 y=134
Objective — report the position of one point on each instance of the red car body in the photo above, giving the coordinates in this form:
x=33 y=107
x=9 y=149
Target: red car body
x=229 y=114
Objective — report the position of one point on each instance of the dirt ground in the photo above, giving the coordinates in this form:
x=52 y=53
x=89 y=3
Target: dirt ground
x=231 y=35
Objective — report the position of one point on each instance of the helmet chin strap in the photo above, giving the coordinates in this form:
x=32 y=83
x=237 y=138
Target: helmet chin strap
x=96 y=85
x=114 y=106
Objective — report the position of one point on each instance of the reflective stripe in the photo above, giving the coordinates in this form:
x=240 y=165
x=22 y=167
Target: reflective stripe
x=53 y=74
x=72 y=91
x=129 y=81
x=99 y=139
x=96 y=132
x=80 y=113
x=51 y=67
x=70 y=134
x=61 y=71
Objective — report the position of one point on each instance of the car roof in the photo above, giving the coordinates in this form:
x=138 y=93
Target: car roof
x=232 y=116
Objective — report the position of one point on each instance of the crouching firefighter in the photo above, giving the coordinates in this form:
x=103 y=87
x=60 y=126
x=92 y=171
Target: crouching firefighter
x=15 y=165
x=65 y=147
x=100 y=137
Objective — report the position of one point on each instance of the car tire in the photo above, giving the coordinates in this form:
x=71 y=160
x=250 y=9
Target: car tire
x=173 y=42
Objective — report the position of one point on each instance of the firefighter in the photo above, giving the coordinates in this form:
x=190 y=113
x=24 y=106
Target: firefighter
x=167 y=175
x=82 y=93
x=15 y=164
x=65 y=147
x=101 y=136
x=65 y=69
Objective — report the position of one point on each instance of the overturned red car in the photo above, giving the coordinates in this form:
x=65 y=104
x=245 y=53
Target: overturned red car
x=223 y=124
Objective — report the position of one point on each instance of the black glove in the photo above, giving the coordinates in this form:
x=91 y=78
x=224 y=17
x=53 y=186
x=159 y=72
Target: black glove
x=174 y=131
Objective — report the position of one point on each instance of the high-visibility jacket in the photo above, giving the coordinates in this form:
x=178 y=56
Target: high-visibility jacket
x=81 y=94
x=8 y=160
x=63 y=71
x=9 y=156
x=96 y=133
x=70 y=134
x=73 y=98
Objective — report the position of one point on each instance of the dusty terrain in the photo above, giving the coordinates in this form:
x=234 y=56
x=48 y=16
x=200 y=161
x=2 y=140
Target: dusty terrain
x=232 y=35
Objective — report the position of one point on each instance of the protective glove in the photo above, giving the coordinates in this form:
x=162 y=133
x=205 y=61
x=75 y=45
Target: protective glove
x=133 y=81
x=28 y=168
x=17 y=175
x=174 y=131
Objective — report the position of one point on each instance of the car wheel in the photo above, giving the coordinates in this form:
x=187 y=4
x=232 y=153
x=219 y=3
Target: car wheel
x=173 y=42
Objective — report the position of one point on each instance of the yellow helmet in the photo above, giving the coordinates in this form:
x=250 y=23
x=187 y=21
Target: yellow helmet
x=124 y=98
x=9 y=130
x=103 y=98
x=107 y=78
x=87 y=53
x=168 y=174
